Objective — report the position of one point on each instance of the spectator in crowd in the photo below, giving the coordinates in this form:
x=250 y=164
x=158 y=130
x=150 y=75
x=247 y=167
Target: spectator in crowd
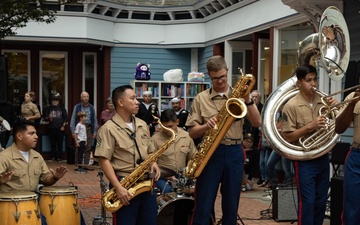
x=57 y=116
x=7 y=119
x=107 y=113
x=80 y=139
x=33 y=99
x=251 y=161
x=274 y=158
x=29 y=111
x=265 y=152
x=91 y=123
x=147 y=110
x=176 y=156
x=255 y=131
x=181 y=113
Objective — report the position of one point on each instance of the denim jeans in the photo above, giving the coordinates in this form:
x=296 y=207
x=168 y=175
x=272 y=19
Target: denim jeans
x=273 y=159
x=264 y=155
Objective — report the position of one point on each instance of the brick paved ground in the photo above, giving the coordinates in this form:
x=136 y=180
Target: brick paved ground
x=255 y=206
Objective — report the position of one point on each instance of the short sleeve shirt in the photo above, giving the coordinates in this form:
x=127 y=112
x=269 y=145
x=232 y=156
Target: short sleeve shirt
x=356 y=119
x=115 y=144
x=297 y=112
x=179 y=152
x=27 y=175
x=29 y=109
x=208 y=104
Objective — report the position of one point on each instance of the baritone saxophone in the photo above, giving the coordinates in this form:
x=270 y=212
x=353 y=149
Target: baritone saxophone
x=110 y=200
x=232 y=109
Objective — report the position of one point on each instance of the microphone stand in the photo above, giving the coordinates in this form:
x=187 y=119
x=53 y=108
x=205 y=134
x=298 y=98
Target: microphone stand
x=103 y=188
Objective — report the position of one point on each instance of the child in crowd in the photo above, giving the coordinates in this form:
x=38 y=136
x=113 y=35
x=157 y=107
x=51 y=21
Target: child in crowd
x=80 y=140
x=250 y=161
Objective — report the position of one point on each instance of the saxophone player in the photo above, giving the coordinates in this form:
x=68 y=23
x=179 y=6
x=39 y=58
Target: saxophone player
x=300 y=118
x=226 y=165
x=122 y=145
x=351 y=209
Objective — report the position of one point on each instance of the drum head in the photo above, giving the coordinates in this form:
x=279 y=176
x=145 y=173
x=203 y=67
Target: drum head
x=177 y=211
x=58 y=190
x=6 y=125
x=10 y=196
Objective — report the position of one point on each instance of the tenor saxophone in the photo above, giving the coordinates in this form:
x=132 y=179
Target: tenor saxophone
x=233 y=108
x=110 y=200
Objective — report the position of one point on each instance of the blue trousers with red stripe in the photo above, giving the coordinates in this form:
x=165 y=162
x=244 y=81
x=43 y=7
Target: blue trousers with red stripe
x=351 y=210
x=225 y=166
x=312 y=178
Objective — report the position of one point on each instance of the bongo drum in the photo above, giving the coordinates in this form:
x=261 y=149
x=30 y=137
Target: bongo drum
x=20 y=208
x=59 y=205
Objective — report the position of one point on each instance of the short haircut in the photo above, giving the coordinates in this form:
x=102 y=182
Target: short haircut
x=31 y=94
x=216 y=63
x=302 y=71
x=168 y=115
x=80 y=114
x=119 y=92
x=21 y=125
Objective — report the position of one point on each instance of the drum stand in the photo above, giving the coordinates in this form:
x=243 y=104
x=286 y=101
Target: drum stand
x=101 y=220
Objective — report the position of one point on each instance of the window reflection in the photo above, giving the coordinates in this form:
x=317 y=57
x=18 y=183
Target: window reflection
x=53 y=70
x=290 y=39
x=18 y=67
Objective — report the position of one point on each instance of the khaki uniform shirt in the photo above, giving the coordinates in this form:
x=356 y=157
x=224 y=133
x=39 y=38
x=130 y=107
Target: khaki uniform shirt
x=27 y=175
x=178 y=153
x=356 y=120
x=29 y=109
x=297 y=113
x=115 y=144
x=208 y=104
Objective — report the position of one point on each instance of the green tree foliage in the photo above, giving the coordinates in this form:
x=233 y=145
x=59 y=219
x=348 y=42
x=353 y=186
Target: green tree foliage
x=15 y=14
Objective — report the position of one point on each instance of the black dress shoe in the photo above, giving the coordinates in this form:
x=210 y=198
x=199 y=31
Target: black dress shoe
x=260 y=181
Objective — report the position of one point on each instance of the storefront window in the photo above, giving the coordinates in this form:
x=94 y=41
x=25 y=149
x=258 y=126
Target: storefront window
x=53 y=70
x=291 y=38
x=19 y=76
x=89 y=75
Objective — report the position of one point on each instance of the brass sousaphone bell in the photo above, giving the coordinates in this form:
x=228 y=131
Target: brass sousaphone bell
x=329 y=49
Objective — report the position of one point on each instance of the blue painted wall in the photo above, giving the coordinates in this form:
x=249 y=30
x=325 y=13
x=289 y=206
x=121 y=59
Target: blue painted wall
x=124 y=61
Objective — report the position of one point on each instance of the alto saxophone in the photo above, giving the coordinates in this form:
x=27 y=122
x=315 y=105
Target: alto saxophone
x=233 y=108
x=110 y=200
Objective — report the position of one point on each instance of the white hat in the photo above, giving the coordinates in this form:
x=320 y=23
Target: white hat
x=175 y=100
x=147 y=93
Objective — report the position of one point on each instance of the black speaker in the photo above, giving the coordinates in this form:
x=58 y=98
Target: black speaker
x=339 y=152
x=336 y=204
x=285 y=204
x=3 y=79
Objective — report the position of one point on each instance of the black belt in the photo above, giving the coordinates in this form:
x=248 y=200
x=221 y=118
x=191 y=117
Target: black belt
x=231 y=141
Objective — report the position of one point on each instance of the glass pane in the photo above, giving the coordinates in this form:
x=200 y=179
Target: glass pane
x=52 y=76
x=237 y=62
x=291 y=37
x=264 y=68
x=18 y=67
x=89 y=75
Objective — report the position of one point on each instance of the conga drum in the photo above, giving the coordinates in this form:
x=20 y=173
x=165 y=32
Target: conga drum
x=19 y=208
x=59 y=205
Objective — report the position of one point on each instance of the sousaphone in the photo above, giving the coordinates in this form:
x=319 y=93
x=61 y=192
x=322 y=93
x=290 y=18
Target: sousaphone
x=329 y=50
